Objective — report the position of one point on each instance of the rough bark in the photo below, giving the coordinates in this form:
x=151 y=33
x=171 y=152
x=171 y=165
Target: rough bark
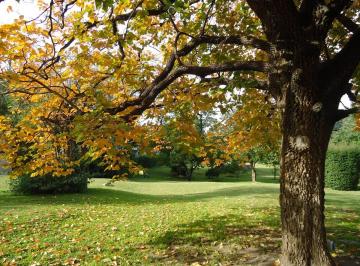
x=302 y=190
x=307 y=126
x=307 y=108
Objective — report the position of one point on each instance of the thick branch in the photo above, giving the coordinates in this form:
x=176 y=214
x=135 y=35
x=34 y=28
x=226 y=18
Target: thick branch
x=279 y=17
x=335 y=73
x=148 y=96
x=348 y=23
x=321 y=15
x=326 y=14
x=307 y=8
x=341 y=114
x=206 y=39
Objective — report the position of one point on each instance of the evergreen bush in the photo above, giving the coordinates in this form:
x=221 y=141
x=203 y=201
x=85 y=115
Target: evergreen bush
x=213 y=172
x=74 y=183
x=342 y=167
x=147 y=161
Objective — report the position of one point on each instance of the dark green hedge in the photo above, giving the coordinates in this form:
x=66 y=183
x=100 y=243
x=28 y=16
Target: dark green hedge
x=229 y=168
x=75 y=183
x=342 y=167
x=147 y=161
x=213 y=172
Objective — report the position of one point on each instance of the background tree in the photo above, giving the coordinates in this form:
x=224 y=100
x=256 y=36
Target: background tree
x=345 y=132
x=253 y=130
x=273 y=158
x=184 y=138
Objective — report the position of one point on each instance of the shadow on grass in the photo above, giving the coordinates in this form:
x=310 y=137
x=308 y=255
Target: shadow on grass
x=159 y=174
x=343 y=227
x=251 y=237
x=345 y=201
x=111 y=196
x=234 y=239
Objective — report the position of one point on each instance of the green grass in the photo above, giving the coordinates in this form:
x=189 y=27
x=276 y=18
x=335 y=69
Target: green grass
x=159 y=220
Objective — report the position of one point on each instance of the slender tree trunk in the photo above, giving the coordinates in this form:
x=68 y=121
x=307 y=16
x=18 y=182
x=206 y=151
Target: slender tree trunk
x=189 y=171
x=274 y=171
x=306 y=136
x=253 y=172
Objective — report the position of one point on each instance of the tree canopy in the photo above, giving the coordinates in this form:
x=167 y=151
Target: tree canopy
x=87 y=74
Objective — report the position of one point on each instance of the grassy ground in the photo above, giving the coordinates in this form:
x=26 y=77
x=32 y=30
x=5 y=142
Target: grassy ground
x=161 y=221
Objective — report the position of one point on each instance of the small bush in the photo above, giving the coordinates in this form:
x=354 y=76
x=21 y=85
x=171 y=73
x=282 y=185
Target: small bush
x=163 y=158
x=230 y=168
x=213 y=172
x=48 y=184
x=147 y=161
x=178 y=170
x=342 y=167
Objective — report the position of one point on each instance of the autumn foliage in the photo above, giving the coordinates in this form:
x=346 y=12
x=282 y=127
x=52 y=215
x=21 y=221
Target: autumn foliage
x=78 y=73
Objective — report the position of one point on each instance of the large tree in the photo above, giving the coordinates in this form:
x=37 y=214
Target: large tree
x=105 y=66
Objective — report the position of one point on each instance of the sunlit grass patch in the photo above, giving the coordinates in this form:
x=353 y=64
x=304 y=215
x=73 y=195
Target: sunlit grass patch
x=160 y=223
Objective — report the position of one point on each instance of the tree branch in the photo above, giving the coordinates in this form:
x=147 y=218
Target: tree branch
x=48 y=88
x=279 y=17
x=336 y=72
x=206 y=39
x=149 y=94
x=150 y=12
x=307 y=8
x=326 y=14
x=320 y=14
x=341 y=114
x=348 y=23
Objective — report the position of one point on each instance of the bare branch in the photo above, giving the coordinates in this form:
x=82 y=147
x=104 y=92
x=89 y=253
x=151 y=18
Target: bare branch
x=207 y=17
x=89 y=25
x=115 y=32
x=150 y=12
x=48 y=88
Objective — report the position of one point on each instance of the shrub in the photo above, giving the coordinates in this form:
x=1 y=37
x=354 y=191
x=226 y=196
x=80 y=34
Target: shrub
x=230 y=168
x=213 y=172
x=163 y=158
x=48 y=184
x=342 y=167
x=178 y=170
x=146 y=161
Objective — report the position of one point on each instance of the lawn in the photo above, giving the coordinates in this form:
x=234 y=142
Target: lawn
x=158 y=220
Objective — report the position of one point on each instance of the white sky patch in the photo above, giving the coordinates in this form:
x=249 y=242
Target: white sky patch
x=345 y=102
x=26 y=8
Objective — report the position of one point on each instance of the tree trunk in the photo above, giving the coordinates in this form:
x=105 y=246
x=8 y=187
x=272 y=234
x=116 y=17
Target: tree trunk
x=189 y=172
x=306 y=134
x=274 y=171
x=253 y=172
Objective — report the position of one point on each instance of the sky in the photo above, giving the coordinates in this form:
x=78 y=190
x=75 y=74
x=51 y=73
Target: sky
x=28 y=8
